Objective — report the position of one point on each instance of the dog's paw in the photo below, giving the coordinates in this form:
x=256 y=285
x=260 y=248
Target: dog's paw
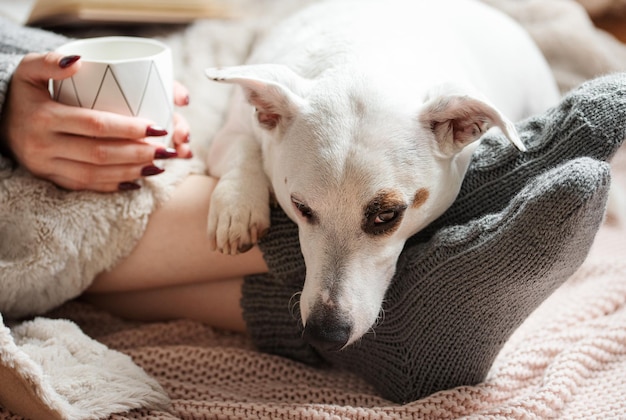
x=239 y=215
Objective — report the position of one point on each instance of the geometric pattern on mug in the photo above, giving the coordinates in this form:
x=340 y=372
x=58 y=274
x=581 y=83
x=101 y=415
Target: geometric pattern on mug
x=140 y=93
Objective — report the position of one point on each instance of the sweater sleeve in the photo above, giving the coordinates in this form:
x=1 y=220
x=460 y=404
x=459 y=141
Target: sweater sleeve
x=15 y=42
x=8 y=63
x=20 y=40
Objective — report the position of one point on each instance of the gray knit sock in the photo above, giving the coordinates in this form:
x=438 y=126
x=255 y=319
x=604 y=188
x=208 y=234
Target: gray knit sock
x=521 y=225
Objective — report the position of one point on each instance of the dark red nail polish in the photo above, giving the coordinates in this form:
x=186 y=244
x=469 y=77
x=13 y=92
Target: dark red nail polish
x=165 y=153
x=68 y=61
x=155 y=131
x=128 y=186
x=151 y=170
x=186 y=100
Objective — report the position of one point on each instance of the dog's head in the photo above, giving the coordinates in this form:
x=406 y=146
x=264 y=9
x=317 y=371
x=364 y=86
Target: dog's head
x=359 y=171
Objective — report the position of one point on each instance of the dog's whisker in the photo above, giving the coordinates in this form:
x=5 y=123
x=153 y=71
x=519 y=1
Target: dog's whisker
x=380 y=318
x=371 y=331
x=294 y=303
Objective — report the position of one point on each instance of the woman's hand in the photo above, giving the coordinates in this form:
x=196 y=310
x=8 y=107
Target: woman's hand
x=79 y=148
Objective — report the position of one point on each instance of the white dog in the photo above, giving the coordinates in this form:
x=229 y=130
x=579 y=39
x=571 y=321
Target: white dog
x=358 y=116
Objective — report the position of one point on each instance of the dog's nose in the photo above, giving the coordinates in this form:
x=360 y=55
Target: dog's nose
x=327 y=332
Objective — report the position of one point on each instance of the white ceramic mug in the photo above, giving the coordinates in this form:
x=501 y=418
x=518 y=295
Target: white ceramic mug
x=126 y=75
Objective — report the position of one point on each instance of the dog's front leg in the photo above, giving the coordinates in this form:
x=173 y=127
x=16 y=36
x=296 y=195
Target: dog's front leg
x=259 y=113
x=239 y=211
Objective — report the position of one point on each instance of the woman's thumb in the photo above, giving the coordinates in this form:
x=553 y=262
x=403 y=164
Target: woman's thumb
x=52 y=65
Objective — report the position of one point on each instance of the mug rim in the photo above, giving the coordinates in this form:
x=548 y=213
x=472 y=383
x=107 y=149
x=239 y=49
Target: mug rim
x=72 y=48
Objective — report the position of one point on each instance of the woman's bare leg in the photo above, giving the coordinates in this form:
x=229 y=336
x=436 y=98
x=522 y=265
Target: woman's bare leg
x=172 y=274
x=213 y=303
x=174 y=249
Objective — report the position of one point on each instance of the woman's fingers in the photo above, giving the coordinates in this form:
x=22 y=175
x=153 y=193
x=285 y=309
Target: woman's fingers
x=181 y=137
x=181 y=94
x=101 y=124
x=181 y=134
x=72 y=184
x=75 y=175
x=108 y=152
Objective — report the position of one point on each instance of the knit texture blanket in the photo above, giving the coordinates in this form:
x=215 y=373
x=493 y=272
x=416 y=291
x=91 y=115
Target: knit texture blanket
x=568 y=360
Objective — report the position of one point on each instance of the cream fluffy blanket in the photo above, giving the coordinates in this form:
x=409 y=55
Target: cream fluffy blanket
x=568 y=360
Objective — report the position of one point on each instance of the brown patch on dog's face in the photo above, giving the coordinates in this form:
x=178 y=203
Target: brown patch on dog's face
x=382 y=215
x=420 y=197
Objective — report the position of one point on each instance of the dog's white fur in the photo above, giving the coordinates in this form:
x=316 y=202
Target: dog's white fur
x=361 y=116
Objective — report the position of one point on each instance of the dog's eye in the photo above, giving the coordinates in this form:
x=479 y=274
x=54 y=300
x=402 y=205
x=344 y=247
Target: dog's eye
x=302 y=208
x=383 y=221
x=385 y=217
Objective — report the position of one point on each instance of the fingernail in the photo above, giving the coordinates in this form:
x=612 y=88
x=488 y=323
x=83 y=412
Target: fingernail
x=128 y=186
x=155 y=131
x=186 y=100
x=187 y=138
x=151 y=170
x=68 y=61
x=165 y=153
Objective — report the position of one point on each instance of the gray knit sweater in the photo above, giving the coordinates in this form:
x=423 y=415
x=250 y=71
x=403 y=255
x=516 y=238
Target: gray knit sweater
x=15 y=42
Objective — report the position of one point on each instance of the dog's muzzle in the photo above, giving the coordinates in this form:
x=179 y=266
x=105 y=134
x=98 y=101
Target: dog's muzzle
x=326 y=329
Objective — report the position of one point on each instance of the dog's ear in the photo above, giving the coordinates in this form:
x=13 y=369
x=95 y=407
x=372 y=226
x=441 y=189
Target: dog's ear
x=458 y=120
x=273 y=89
